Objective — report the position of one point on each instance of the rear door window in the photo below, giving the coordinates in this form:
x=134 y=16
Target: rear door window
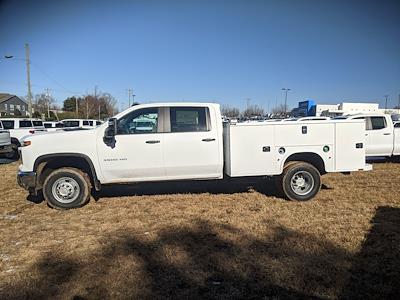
x=71 y=123
x=189 y=119
x=378 y=123
x=47 y=125
x=25 y=124
x=8 y=124
x=85 y=123
x=37 y=123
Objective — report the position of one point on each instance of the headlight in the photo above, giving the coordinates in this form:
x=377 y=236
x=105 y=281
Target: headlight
x=26 y=143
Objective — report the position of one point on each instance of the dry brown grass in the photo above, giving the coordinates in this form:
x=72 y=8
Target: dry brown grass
x=159 y=241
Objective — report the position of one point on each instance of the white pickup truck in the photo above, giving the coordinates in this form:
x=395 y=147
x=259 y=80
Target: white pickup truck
x=382 y=135
x=187 y=141
x=19 y=128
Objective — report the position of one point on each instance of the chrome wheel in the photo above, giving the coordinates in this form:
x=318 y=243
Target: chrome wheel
x=65 y=190
x=302 y=182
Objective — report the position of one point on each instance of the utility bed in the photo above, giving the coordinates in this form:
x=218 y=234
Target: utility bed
x=261 y=148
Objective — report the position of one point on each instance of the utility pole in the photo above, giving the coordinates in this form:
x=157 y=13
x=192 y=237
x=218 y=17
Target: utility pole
x=133 y=99
x=48 y=102
x=386 y=100
x=87 y=107
x=95 y=97
x=286 y=91
x=248 y=103
x=399 y=104
x=76 y=106
x=28 y=76
x=130 y=91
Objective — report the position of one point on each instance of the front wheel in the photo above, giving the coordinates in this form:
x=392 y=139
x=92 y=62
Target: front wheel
x=13 y=154
x=67 y=188
x=300 y=181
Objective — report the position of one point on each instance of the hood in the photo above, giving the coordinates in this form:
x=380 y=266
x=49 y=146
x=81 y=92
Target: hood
x=63 y=141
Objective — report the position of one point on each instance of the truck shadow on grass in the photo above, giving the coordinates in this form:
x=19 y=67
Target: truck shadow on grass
x=217 y=261
x=265 y=186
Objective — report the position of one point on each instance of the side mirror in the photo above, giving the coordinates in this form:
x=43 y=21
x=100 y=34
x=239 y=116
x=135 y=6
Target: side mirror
x=111 y=131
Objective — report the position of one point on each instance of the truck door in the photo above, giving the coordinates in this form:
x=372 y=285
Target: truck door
x=138 y=151
x=191 y=144
x=379 y=137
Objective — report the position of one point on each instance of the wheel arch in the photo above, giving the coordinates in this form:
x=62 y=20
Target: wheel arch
x=15 y=141
x=312 y=158
x=46 y=163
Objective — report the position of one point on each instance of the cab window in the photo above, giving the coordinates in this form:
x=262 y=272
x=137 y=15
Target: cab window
x=71 y=123
x=378 y=123
x=397 y=125
x=189 y=119
x=8 y=124
x=139 y=122
x=37 y=123
x=25 y=124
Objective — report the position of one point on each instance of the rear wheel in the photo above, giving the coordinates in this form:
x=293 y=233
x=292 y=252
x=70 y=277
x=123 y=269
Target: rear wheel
x=67 y=188
x=300 y=181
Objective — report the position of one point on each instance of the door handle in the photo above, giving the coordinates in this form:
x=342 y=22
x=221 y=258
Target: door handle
x=388 y=133
x=208 y=140
x=152 y=142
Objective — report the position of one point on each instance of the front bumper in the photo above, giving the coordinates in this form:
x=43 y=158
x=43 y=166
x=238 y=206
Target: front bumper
x=6 y=149
x=26 y=180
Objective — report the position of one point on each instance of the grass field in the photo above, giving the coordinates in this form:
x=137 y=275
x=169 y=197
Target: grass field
x=205 y=240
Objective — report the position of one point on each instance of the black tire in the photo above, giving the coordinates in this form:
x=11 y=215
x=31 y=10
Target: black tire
x=300 y=181
x=14 y=154
x=67 y=188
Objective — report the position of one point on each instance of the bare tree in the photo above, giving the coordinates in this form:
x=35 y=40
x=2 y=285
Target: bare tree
x=43 y=103
x=253 y=111
x=230 y=112
x=280 y=109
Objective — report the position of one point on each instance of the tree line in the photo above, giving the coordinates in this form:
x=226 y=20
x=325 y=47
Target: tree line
x=252 y=111
x=97 y=105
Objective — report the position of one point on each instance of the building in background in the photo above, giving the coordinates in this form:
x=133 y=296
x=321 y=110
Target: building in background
x=305 y=108
x=11 y=105
x=310 y=108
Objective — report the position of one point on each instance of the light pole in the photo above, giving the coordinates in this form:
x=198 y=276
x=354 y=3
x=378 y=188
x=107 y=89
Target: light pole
x=286 y=91
x=28 y=76
x=386 y=99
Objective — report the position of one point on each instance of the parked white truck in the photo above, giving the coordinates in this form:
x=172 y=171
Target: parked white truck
x=382 y=136
x=187 y=141
x=19 y=128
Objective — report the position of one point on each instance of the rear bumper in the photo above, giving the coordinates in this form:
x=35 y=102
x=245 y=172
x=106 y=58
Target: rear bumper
x=26 y=180
x=5 y=149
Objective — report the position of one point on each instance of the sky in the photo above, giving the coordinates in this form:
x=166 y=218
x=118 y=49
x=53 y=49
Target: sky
x=219 y=51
